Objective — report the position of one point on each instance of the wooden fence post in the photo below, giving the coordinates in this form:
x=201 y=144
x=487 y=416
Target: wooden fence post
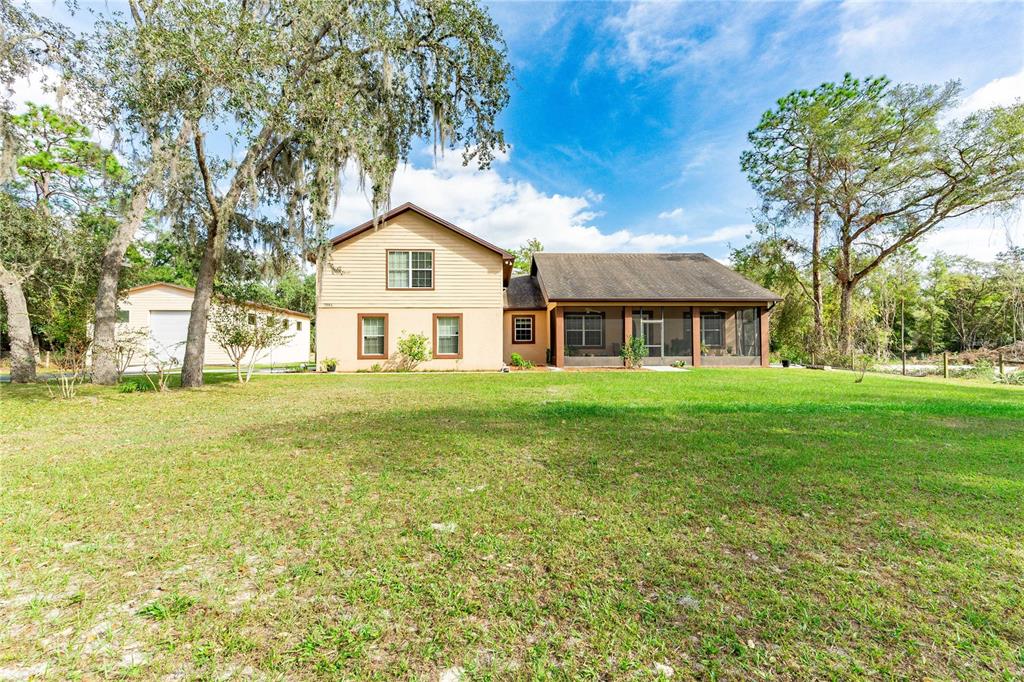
x=1001 y=375
x=945 y=364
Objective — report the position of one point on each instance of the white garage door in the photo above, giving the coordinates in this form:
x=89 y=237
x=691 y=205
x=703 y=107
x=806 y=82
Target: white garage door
x=168 y=329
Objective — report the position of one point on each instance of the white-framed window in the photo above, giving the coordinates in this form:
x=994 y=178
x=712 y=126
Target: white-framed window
x=298 y=325
x=287 y=323
x=712 y=329
x=124 y=316
x=448 y=332
x=522 y=329
x=410 y=269
x=584 y=330
x=372 y=335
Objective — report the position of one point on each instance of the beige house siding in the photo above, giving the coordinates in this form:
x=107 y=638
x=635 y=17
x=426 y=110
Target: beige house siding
x=337 y=336
x=466 y=274
x=141 y=304
x=467 y=281
x=535 y=352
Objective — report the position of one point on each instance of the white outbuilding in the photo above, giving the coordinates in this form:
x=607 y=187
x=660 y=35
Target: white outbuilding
x=157 y=316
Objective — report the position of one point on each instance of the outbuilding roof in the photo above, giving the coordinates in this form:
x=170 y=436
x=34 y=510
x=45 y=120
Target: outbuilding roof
x=192 y=292
x=642 y=277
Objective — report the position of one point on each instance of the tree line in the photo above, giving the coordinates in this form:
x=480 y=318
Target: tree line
x=921 y=305
x=209 y=140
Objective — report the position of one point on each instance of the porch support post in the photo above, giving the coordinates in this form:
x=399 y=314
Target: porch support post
x=559 y=337
x=627 y=325
x=695 y=335
x=764 y=335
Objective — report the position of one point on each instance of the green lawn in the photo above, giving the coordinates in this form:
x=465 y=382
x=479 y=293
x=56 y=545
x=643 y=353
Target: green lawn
x=738 y=524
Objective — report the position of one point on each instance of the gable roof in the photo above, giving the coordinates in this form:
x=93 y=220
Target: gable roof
x=642 y=277
x=192 y=292
x=407 y=206
x=523 y=293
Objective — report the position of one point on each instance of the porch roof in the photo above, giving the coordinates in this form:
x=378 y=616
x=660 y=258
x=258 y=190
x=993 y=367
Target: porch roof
x=642 y=277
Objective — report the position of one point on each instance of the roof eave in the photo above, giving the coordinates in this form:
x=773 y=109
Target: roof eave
x=657 y=299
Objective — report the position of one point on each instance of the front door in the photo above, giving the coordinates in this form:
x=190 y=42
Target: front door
x=652 y=329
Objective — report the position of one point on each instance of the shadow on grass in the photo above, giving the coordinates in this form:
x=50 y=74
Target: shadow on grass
x=808 y=458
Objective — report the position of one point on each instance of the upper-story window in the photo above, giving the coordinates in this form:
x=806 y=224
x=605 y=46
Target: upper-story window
x=410 y=269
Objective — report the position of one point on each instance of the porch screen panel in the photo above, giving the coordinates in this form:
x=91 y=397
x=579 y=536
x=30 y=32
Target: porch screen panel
x=584 y=330
x=748 y=332
x=649 y=324
x=678 y=333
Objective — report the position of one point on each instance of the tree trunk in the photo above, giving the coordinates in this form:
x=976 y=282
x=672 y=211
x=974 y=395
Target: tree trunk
x=104 y=346
x=846 y=317
x=195 y=343
x=23 y=357
x=816 y=291
x=223 y=211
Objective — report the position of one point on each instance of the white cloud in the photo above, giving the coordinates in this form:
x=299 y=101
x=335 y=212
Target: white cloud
x=999 y=92
x=724 y=234
x=508 y=212
x=37 y=87
x=674 y=214
x=980 y=237
x=672 y=36
x=888 y=30
x=865 y=27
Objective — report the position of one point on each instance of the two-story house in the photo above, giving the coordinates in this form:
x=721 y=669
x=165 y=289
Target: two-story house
x=413 y=272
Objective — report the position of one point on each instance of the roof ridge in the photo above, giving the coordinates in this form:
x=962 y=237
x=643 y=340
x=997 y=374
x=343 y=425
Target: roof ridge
x=390 y=214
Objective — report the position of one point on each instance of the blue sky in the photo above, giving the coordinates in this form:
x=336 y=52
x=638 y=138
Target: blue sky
x=627 y=119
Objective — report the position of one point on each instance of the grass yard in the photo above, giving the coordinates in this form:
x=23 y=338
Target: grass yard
x=724 y=523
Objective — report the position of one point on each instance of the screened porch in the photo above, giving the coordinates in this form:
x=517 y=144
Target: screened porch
x=593 y=336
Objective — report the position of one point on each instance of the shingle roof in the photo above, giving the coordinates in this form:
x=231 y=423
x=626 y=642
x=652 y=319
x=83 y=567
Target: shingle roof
x=642 y=277
x=523 y=293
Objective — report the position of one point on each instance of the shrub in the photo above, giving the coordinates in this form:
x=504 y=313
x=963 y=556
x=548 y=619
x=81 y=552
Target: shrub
x=983 y=369
x=137 y=384
x=330 y=364
x=412 y=350
x=634 y=351
x=376 y=367
x=679 y=363
x=518 y=360
x=1015 y=378
x=245 y=336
